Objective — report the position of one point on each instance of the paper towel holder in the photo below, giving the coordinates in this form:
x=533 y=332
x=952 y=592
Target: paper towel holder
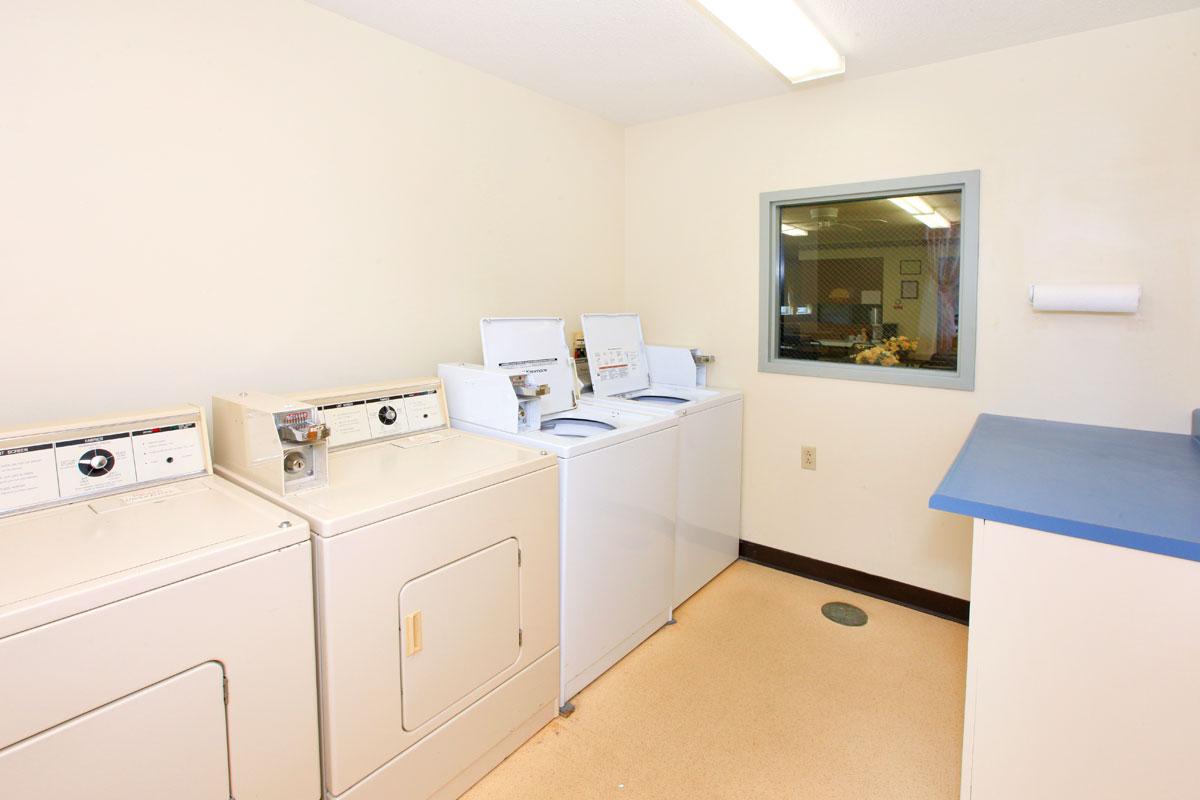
x=1096 y=298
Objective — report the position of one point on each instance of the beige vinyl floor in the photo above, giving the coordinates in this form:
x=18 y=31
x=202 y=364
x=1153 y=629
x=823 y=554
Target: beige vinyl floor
x=754 y=694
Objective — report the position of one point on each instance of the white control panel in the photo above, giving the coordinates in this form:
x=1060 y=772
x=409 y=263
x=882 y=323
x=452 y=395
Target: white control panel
x=50 y=466
x=360 y=416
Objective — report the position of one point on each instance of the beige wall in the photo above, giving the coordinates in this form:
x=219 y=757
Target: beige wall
x=204 y=195
x=1088 y=151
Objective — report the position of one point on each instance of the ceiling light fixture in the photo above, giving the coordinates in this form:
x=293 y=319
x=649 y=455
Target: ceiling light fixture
x=933 y=220
x=782 y=34
x=793 y=230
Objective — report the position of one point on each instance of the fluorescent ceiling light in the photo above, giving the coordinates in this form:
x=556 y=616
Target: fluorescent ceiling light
x=782 y=34
x=934 y=220
x=913 y=205
x=793 y=230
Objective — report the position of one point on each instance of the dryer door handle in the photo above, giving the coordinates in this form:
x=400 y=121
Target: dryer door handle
x=412 y=633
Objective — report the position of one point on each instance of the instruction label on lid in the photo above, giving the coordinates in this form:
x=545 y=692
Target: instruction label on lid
x=616 y=364
x=616 y=353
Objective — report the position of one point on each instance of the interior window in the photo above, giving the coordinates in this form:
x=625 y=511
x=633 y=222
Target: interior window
x=871 y=285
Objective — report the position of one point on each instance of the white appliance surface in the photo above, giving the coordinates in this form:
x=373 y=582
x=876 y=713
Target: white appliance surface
x=618 y=483
x=617 y=531
x=128 y=605
x=476 y=627
x=436 y=556
x=666 y=397
x=534 y=346
x=143 y=540
x=176 y=727
x=708 y=521
x=380 y=480
x=708 y=525
x=584 y=429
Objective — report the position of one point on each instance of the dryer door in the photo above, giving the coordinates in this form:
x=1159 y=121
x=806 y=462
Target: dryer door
x=460 y=626
x=165 y=741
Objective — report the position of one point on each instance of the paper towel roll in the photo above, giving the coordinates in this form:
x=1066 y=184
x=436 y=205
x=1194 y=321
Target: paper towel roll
x=1110 y=298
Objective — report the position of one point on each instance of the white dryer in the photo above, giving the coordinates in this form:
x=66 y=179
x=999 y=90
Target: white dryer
x=617 y=476
x=156 y=631
x=627 y=373
x=436 y=558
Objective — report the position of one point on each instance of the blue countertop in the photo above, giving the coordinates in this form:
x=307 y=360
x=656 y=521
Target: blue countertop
x=1128 y=488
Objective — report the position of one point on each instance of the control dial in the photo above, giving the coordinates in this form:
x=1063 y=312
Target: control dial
x=387 y=415
x=95 y=463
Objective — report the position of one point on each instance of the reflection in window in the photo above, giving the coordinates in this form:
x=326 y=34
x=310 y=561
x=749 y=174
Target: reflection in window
x=871 y=282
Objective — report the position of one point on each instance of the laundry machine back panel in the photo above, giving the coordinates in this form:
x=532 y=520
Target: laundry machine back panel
x=166 y=741
x=461 y=627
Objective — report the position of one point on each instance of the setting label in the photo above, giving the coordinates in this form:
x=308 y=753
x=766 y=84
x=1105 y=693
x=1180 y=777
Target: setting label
x=167 y=452
x=387 y=416
x=27 y=476
x=347 y=422
x=382 y=417
x=94 y=464
x=424 y=411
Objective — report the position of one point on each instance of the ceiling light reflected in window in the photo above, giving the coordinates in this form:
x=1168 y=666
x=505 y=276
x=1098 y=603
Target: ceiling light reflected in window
x=934 y=220
x=793 y=230
x=913 y=205
x=782 y=34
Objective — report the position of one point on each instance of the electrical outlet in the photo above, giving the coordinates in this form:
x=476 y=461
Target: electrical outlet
x=808 y=457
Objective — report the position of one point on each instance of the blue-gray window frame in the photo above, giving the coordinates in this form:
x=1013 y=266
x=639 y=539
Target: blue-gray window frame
x=770 y=204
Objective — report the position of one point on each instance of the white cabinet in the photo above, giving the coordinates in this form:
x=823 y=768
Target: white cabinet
x=1083 y=677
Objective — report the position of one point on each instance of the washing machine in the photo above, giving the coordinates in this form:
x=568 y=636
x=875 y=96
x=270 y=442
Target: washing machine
x=617 y=478
x=436 y=571
x=156 y=629
x=627 y=373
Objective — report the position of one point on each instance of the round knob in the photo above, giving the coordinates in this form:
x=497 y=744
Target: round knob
x=387 y=415
x=95 y=463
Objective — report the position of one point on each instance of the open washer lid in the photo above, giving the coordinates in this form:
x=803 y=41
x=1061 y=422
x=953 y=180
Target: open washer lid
x=535 y=346
x=616 y=353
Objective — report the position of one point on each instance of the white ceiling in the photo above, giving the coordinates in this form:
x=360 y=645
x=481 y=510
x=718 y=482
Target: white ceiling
x=633 y=61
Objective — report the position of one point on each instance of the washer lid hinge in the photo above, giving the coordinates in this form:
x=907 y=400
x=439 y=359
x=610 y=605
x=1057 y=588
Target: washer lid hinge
x=520 y=637
x=519 y=557
x=225 y=694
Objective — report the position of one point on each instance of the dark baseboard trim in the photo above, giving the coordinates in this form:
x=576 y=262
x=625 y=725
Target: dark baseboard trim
x=927 y=600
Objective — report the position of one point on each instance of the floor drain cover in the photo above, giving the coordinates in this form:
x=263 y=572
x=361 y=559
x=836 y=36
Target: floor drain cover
x=844 y=614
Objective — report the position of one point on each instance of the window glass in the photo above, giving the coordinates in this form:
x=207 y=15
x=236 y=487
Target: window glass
x=869 y=282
